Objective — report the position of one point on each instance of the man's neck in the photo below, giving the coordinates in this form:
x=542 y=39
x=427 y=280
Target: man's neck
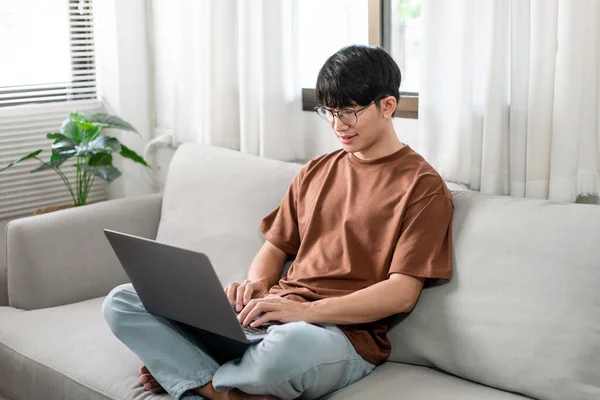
x=388 y=144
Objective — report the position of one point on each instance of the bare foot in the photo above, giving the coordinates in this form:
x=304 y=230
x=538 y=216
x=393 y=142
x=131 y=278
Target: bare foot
x=148 y=381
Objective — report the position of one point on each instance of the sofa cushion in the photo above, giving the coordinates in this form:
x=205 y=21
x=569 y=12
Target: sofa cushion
x=522 y=312
x=68 y=352
x=64 y=353
x=214 y=200
x=408 y=382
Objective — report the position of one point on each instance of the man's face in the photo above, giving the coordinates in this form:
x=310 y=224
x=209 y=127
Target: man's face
x=362 y=135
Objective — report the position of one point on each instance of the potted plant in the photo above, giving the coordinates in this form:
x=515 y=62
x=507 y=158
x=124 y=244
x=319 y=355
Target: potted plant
x=80 y=138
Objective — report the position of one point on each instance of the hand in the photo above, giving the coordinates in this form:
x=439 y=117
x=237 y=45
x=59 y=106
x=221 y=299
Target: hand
x=273 y=308
x=241 y=293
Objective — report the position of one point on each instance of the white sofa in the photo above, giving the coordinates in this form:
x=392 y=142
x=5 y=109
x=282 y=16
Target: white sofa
x=520 y=318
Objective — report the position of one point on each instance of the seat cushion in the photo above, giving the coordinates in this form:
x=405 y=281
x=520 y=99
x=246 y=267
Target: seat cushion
x=68 y=352
x=64 y=353
x=409 y=382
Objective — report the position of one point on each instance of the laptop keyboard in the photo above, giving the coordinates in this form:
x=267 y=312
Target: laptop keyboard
x=250 y=330
x=253 y=331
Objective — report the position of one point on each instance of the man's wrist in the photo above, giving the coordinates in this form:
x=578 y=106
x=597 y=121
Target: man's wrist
x=265 y=283
x=314 y=311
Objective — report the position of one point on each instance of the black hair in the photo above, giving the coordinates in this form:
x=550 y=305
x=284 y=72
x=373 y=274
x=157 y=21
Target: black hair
x=357 y=75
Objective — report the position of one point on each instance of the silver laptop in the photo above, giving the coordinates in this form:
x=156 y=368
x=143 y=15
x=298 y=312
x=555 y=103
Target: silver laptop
x=181 y=285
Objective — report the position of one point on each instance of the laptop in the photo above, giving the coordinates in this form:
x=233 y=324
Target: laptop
x=180 y=285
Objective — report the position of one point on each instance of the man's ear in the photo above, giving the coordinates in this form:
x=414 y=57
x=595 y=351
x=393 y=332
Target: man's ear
x=388 y=106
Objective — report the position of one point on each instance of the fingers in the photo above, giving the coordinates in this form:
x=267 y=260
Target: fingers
x=259 y=307
x=248 y=292
x=266 y=317
x=231 y=291
x=242 y=315
x=239 y=297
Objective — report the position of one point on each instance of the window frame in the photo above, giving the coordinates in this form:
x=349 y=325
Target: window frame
x=379 y=35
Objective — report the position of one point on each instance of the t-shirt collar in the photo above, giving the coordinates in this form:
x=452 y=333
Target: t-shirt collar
x=352 y=159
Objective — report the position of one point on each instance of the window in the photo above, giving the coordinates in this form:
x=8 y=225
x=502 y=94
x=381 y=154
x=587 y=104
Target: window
x=327 y=26
x=401 y=37
x=392 y=24
x=47 y=71
x=47 y=50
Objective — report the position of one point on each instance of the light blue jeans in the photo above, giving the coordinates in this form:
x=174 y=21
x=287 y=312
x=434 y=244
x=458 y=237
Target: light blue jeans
x=296 y=360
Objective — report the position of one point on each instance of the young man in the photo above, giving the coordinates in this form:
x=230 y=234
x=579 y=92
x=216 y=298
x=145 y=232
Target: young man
x=368 y=225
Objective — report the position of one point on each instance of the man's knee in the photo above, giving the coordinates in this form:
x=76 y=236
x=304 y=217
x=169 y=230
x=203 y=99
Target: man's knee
x=119 y=302
x=296 y=359
x=298 y=347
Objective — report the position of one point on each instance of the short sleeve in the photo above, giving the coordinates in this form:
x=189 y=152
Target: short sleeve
x=424 y=248
x=280 y=227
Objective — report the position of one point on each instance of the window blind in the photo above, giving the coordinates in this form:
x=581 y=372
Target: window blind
x=82 y=82
x=22 y=131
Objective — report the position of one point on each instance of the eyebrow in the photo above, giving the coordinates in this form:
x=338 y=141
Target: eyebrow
x=343 y=108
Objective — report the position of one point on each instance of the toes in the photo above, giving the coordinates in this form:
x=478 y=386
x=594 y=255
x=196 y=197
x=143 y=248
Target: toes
x=152 y=385
x=148 y=381
x=146 y=378
x=158 y=389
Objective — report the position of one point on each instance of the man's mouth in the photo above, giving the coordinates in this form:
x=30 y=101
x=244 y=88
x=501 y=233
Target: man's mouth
x=346 y=139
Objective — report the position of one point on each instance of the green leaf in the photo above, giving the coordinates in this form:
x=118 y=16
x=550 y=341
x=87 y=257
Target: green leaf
x=89 y=131
x=75 y=116
x=56 y=157
x=71 y=130
x=108 y=121
x=18 y=160
x=86 y=126
x=128 y=153
x=100 y=159
x=107 y=173
x=55 y=162
x=104 y=144
x=64 y=147
x=55 y=135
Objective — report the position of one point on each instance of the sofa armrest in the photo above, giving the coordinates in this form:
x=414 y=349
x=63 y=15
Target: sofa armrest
x=63 y=257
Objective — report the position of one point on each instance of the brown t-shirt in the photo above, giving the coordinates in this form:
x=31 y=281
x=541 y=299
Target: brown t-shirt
x=351 y=223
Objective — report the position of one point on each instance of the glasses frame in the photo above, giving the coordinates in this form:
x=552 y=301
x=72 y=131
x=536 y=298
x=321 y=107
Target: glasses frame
x=335 y=113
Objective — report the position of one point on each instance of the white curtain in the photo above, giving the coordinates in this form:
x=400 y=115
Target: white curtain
x=509 y=98
x=237 y=83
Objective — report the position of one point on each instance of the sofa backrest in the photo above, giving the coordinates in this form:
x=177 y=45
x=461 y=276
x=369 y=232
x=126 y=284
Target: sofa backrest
x=522 y=311
x=214 y=200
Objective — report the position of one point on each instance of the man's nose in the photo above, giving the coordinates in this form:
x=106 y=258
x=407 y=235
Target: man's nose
x=339 y=125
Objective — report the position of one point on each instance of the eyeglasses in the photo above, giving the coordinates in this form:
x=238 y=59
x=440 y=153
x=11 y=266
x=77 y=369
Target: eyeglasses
x=347 y=116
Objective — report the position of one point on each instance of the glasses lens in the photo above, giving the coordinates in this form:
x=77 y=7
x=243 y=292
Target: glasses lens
x=348 y=117
x=325 y=114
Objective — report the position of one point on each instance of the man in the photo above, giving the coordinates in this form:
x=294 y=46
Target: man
x=368 y=225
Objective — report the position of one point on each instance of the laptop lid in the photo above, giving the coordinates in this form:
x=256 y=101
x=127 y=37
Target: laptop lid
x=176 y=283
